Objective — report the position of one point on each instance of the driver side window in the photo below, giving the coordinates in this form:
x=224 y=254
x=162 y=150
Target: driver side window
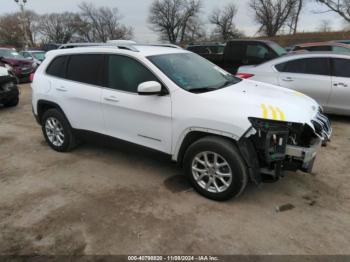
x=125 y=73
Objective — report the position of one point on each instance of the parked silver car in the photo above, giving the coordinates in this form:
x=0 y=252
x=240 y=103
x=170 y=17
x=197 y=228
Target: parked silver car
x=324 y=76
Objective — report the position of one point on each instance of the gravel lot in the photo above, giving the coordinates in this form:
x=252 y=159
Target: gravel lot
x=112 y=198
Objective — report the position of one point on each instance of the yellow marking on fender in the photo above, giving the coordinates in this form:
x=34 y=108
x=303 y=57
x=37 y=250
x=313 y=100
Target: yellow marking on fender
x=274 y=114
x=299 y=93
x=283 y=117
x=265 y=111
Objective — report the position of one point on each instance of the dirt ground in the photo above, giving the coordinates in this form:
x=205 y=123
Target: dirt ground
x=107 y=198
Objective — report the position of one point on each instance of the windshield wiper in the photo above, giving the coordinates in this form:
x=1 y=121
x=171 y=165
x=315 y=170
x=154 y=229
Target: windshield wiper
x=202 y=90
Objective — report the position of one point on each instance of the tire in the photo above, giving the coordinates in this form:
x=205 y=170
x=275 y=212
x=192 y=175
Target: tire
x=229 y=163
x=12 y=103
x=57 y=131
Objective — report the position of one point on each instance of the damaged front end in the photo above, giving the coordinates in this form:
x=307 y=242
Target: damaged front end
x=272 y=147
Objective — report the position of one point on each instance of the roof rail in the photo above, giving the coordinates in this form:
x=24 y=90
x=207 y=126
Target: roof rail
x=120 y=46
x=162 y=45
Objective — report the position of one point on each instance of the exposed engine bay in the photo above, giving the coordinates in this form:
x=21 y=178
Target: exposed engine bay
x=276 y=146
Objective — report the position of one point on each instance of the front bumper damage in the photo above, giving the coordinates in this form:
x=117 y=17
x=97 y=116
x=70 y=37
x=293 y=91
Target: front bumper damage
x=272 y=147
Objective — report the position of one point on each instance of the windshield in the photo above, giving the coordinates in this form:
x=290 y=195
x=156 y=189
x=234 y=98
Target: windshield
x=192 y=72
x=39 y=55
x=278 y=49
x=10 y=54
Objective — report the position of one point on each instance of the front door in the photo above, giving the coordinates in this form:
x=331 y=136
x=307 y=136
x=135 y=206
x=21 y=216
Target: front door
x=310 y=76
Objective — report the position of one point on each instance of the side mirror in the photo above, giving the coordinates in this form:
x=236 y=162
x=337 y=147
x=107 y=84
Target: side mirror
x=149 y=88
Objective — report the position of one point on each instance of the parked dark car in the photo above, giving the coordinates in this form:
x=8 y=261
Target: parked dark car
x=9 y=94
x=50 y=46
x=17 y=64
x=246 y=52
x=212 y=52
x=37 y=56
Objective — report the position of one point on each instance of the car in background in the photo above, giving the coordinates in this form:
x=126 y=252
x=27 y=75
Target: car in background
x=212 y=52
x=346 y=42
x=324 y=76
x=322 y=46
x=50 y=46
x=17 y=64
x=37 y=56
x=246 y=52
x=9 y=94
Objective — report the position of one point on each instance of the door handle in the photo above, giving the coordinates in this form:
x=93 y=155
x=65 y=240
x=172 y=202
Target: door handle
x=341 y=84
x=61 y=89
x=111 y=99
x=288 y=79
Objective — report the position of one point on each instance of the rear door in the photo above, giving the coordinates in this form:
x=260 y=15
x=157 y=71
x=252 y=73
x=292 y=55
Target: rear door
x=311 y=76
x=79 y=92
x=340 y=98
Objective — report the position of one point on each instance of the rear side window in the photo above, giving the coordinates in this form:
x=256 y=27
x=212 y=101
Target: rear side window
x=125 y=73
x=341 y=67
x=314 y=66
x=257 y=51
x=87 y=68
x=57 y=67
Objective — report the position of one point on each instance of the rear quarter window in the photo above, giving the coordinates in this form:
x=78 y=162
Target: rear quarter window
x=57 y=67
x=86 y=68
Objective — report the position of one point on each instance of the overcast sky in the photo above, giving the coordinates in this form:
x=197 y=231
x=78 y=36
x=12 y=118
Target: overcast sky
x=135 y=13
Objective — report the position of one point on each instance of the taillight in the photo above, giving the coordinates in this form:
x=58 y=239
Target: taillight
x=31 y=77
x=244 y=75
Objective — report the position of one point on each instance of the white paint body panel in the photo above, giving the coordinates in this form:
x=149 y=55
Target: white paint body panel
x=162 y=122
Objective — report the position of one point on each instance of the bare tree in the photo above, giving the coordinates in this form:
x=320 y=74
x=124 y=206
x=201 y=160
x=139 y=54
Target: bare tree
x=325 y=26
x=171 y=18
x=195 y=31
x=11 y=32
x=57 y=28
x=341 y=7
x=101 y=23
x=293 y=21
x=272 y=15
x=32 y=21
x=225 y=28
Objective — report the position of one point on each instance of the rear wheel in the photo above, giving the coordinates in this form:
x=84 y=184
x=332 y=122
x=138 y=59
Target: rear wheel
x=57 y=131
x=215 y=168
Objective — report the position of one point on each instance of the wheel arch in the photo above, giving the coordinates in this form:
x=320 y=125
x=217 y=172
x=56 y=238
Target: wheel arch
x=44 y=105
x=244 y=146
x=192 y=135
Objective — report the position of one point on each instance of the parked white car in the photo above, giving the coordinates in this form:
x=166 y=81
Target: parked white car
x=322 y=76
x=223 y=130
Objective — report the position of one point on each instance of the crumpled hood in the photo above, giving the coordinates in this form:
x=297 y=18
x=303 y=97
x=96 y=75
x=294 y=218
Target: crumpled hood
x=260 y=100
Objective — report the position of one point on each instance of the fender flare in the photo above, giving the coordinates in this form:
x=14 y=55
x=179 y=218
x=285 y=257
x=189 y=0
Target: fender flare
x=177 y=148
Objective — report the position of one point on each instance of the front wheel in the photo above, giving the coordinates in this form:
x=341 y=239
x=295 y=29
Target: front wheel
x=215 y=168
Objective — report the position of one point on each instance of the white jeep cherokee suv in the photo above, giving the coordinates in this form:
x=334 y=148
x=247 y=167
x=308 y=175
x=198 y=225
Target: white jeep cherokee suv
x=224 y=130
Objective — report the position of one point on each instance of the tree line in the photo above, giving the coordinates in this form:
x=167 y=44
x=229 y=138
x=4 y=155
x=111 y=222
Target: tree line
x=175 y=21
x=90 y=24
